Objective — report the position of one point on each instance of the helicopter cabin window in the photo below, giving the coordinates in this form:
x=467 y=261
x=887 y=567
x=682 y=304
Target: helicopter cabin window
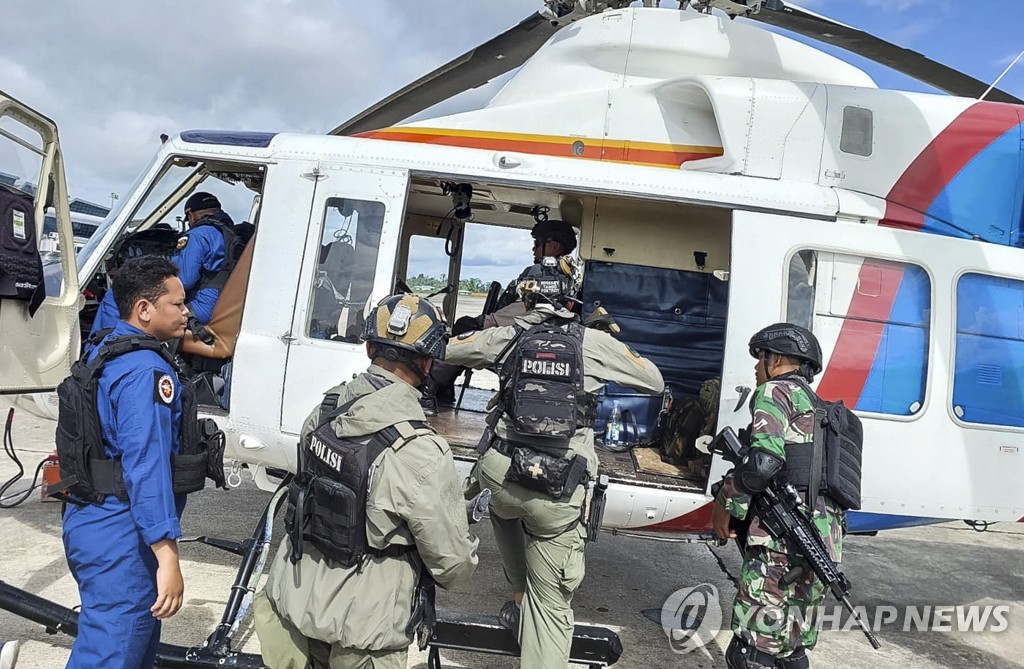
x=873 y=315
x=988 y=382
x=345 y=268
x=858 y=131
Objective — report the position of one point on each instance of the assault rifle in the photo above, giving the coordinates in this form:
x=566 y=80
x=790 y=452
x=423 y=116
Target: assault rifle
x=778 y=508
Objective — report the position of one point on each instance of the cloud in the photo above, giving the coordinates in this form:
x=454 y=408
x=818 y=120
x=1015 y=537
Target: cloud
x=1005 y=61
x=122 y=72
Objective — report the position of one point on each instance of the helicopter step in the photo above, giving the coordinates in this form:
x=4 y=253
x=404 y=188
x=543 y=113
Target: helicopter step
x=592 y=645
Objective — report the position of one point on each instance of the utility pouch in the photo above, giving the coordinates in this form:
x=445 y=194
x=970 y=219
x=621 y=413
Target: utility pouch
x=556 y=477
x=213 y=443
x=188 y=473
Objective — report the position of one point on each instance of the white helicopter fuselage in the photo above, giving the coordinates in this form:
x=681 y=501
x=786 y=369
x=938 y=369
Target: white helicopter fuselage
x=691 y=151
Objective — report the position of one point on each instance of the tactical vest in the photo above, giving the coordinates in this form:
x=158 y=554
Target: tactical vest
x=21 y=268
x=840 y=438
x=88 y=475
x=328 y=496
x=233 y=245
x=542 y=383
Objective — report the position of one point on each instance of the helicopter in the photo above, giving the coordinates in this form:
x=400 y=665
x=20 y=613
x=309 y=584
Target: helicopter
x=721 y=177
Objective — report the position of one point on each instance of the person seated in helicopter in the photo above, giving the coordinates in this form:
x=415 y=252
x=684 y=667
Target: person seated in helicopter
x=551 y=238
x=205 y=255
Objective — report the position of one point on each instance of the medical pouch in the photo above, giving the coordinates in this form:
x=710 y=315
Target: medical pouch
x=540 y=472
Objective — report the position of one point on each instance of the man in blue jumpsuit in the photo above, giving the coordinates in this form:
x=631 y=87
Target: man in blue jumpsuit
x=124 y=554
x=199 y=255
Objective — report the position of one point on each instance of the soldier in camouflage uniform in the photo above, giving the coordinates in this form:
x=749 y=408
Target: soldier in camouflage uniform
x=772 y=622
x=539 y=535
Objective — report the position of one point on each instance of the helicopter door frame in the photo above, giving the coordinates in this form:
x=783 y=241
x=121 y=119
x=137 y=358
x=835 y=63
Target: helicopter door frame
x=317 y=361
x=978 y=479
x=38 y=350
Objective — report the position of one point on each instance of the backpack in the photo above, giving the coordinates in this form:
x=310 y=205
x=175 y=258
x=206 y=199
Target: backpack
x=542 y=382
x=79 y=436
x=840 y=437
x=87 y=474
x=689 y=418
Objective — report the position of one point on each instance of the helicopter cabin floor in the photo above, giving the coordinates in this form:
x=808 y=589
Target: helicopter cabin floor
x=462 y=430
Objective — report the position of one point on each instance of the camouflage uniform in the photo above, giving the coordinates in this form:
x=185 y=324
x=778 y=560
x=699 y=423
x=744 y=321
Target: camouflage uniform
x=764 y=613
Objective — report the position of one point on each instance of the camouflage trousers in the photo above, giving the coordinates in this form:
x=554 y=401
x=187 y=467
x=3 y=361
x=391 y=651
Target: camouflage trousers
x=774 y=618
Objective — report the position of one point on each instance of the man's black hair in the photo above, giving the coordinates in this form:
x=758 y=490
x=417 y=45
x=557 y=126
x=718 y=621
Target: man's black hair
x=141 y=278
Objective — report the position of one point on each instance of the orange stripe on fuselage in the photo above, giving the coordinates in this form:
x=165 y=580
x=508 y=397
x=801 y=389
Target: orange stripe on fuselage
x=639 y=153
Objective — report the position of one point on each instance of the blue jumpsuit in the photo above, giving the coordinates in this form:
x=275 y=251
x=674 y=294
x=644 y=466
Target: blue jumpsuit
x=108 y=544
x=203 y=251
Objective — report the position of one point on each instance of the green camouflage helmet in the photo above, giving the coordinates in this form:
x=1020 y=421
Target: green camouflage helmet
x=410 y=323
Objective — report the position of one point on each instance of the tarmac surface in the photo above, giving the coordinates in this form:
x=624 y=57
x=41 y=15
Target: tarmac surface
x=948 y=564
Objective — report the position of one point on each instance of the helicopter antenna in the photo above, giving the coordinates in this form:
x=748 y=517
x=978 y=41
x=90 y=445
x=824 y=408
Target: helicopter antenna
x=999 y=78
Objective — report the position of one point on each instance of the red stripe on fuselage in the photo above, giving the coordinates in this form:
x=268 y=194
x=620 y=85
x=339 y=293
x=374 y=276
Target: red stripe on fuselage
x=857 y=346
x=698 y=520
x=977 y=127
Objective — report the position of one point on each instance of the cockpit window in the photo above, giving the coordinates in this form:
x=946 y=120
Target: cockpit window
x=21 y=155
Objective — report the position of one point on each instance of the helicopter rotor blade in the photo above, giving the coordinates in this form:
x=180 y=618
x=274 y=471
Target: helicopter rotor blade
x=945 y=78
x=474 y=68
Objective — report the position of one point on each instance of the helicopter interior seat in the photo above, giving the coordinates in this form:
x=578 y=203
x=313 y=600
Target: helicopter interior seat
x=226 y=319
x=675 y=318
x=334 y=278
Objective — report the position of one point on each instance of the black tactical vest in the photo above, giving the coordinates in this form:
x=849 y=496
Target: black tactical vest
x=88 y=475
x=21 y=268
x=327 y=498
x=233 y=246
x=542 y=382
x=840 y=436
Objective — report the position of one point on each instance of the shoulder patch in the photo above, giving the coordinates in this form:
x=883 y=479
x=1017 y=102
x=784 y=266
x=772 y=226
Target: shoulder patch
x=163 y=387
x=467 y=335
x=182 y=242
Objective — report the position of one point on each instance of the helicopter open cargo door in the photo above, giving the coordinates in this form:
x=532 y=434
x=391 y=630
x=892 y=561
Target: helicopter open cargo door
x=38 y=304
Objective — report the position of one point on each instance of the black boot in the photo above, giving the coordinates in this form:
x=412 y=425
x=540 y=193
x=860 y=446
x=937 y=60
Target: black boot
x=446 y=395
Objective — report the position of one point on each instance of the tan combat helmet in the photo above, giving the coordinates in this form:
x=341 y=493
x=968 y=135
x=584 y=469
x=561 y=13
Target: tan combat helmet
x=407 y=323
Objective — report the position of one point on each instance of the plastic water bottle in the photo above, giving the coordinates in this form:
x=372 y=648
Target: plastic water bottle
x=613 y=429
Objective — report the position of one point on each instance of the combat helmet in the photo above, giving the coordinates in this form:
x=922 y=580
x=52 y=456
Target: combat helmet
x=408 y=326
x=788 y=339
x=556 y=231
x=556 y=281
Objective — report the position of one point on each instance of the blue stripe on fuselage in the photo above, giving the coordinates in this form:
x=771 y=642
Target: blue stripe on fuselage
x=984 y=199
x=897 y=377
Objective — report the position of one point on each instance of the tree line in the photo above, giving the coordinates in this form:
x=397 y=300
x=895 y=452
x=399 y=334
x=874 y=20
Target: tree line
x=420 y=281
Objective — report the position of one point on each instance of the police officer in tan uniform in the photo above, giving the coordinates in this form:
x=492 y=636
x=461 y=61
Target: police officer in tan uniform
x=354 y=603
x=551 y=238
x=537 y=460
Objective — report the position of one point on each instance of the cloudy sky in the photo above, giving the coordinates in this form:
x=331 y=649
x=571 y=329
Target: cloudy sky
x=116 y=74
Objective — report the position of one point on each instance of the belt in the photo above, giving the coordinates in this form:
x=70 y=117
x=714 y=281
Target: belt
x=502 y=446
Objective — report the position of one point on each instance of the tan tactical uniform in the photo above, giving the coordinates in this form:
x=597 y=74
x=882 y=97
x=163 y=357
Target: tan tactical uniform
x=355 y=618
x=540 y=539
